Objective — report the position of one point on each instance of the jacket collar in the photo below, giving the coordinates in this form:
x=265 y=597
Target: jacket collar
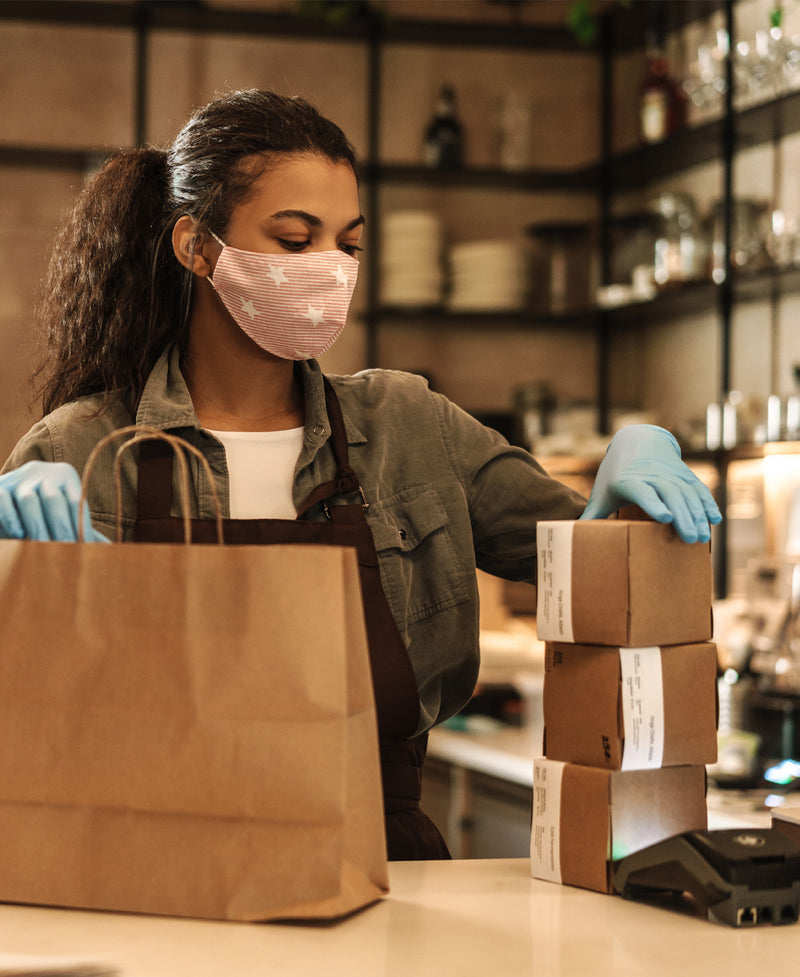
x=318 y=428
x=166 y=403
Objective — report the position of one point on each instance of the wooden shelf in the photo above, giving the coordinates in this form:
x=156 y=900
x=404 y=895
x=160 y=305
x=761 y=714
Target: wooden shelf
x=760 y=285
x=522 y=318
x=699 y=144
x=630 y=169
x=53 y=157
x=198 y=17
x=723 y=457
x=686 y=299
x=563 y=465
x=630 y=21
x=102 y=13
x=698 y=297
x=482 y=178
x=637 y=167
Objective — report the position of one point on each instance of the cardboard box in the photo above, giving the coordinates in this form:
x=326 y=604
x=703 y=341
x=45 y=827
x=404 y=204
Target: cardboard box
x=787 y=821
x=621 y=582
x=584 y=818
x=631 y=708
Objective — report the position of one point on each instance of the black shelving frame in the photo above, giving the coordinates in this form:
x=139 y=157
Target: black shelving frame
x=718 y=140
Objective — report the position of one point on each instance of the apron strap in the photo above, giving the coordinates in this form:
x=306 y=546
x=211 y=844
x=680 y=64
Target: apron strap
x=346 y=479
x=154 y=488
x=410 y=833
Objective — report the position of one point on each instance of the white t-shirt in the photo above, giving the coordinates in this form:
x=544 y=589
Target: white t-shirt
x=261 y=471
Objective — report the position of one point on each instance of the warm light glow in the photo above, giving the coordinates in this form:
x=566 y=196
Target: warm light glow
x=706 y=472
x=782 y=497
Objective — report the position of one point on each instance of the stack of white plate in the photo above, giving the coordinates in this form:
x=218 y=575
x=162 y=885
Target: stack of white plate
x=488 y=276
x=411 y=258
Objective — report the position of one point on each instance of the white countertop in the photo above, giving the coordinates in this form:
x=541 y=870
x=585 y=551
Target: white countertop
x=472 y=918
x=505 y=752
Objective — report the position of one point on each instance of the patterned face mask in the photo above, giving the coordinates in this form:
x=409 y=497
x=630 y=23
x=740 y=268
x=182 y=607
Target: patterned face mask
x=293 y=305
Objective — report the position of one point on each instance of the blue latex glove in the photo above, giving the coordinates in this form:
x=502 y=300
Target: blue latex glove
x=643 y=467
x=40 y=500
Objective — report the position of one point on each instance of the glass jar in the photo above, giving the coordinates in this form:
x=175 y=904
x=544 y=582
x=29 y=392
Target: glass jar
x=681 y=251
x=749 y=232
x=565 y=265
x=533 y=405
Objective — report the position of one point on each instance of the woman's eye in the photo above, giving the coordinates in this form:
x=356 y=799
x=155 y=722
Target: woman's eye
x=293 y=245
x=351 y=249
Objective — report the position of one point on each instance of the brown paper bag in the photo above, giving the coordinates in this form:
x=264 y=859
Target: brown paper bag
x=187 y=730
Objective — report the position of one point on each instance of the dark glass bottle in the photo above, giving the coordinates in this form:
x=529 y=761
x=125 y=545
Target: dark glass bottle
x=444 y=136
x=662 y=105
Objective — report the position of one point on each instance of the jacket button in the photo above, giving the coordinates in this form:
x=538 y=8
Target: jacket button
x=318 y=430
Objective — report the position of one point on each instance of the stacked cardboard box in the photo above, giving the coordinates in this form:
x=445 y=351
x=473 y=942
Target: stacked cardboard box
x=630 y=704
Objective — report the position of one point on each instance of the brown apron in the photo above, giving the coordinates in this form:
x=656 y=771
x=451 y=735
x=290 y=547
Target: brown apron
x=409 y=833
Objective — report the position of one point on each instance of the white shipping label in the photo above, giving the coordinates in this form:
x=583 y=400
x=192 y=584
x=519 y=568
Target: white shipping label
x=642 y=708
x=546 y=820
x=554 y=581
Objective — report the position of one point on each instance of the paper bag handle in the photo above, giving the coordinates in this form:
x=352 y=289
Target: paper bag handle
x=142 y=432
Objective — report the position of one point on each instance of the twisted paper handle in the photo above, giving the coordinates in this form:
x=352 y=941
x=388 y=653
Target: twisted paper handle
x=180 y=447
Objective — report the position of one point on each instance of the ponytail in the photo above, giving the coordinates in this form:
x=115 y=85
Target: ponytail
x=114 y=289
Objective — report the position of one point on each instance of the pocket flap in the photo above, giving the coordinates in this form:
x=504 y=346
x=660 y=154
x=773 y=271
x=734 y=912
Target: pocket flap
x=405 y=520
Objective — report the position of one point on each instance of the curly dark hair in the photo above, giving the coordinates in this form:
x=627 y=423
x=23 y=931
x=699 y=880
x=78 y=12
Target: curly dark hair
x=115 y=296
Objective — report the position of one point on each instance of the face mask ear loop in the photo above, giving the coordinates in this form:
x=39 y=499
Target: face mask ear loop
x=224 y=245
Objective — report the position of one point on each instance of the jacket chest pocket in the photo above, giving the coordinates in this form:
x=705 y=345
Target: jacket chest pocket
x=420 y=569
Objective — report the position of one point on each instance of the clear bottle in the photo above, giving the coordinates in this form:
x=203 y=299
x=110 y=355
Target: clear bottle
x=662 y=104
x=444 y=136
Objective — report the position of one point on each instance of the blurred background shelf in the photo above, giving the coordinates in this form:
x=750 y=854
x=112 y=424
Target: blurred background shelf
x=389 y=67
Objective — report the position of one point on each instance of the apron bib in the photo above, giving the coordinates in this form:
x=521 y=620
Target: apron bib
x=409 y=833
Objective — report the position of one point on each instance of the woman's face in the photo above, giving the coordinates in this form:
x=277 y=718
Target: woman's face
x=301 y=203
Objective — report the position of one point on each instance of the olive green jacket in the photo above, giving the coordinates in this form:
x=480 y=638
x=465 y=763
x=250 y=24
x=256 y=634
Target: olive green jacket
x=445 y=494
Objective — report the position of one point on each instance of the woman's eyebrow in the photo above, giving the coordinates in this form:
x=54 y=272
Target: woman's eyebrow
x=301 y=214
x=311 y=219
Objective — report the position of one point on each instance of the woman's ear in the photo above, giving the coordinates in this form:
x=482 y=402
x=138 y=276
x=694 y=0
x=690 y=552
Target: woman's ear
x=196 y=251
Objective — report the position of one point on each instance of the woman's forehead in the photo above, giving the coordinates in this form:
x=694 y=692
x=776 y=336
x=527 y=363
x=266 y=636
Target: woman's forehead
x=296 y=181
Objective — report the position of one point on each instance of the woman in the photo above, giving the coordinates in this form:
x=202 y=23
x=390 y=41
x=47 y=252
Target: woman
x=192 y=291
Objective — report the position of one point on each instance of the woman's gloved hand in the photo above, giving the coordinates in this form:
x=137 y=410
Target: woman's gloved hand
x=40 y=500
x=643 y=467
